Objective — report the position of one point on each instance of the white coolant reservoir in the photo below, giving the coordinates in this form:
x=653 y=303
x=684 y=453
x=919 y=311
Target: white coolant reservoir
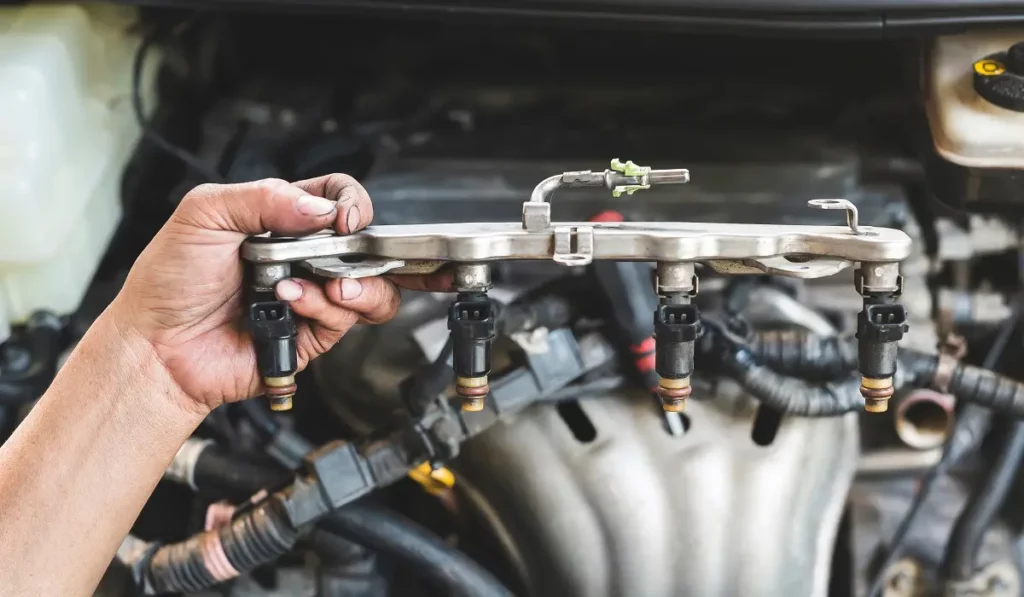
x=975 y=98
x=66 y=131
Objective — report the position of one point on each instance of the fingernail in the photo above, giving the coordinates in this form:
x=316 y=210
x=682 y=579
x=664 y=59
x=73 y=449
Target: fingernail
x=350 y=289
x=308 y=205
x=288 y=290
x=352 y=220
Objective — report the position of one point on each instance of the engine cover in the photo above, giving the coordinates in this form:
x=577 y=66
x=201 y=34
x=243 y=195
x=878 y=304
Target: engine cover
x=636 y=511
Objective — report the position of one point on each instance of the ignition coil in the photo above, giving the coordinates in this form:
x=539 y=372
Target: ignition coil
x=676 y=329
x=471 y=321
x=880 y=326
x=274 y=329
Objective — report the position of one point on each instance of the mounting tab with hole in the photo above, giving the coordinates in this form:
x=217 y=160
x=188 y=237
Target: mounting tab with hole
x=730 y=249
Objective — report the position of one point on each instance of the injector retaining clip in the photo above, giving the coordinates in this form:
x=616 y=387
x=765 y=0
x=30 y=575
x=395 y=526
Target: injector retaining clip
x=785 y=250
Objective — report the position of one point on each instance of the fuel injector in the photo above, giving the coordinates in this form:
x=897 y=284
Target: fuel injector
x=880 y=327
x=676 y=329
x=274 y=328
x=471 y=321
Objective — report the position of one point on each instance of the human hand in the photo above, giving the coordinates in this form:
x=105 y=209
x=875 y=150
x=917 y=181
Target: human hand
x=184 y=294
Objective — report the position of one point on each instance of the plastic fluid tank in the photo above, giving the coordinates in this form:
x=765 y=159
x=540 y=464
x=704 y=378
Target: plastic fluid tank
x=970 y=80
x=66 y=132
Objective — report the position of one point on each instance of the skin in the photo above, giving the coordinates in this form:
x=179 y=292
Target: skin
x=169 y=349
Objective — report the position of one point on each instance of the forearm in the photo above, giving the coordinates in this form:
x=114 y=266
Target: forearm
x=76 y=473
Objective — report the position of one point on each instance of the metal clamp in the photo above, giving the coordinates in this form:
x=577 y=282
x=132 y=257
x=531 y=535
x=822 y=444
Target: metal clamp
x=852 y=217
x=574 y=245
x=951 y=350
x=336 y=267
x=631 y=170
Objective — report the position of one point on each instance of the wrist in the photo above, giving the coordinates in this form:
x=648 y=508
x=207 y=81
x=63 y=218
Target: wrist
x=121 y=359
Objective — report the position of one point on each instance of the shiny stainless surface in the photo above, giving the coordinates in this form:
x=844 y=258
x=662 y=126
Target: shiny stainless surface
x=628 y=241
x=471 y=277
x=852 y=214
x=676 y=277
x=266 y=276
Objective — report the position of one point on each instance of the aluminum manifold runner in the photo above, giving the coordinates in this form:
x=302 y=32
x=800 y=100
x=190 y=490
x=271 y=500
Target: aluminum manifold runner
x=785 y=250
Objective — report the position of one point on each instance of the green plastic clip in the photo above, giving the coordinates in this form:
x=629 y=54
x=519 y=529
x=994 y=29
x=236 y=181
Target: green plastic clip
x=630 y=169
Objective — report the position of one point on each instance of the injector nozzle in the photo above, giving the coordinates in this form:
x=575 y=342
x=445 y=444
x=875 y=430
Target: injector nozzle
x=471 y=322
x=274 y=329
x=676 y=329
x=880 y=327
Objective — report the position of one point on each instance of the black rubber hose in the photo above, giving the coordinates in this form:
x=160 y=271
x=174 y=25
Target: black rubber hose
x=969 y=530
x=389 y=533
x=254 y=538
x=345 y=562
x=262 y=420
x=265 y=535
x=972 y=423
x=233 y=477
x=21 y=383
x=987 y=388
x=812 y=357
x=192 y=161
x=803 y=355
x=790 y=395
x=429 y=381
x=549 y=311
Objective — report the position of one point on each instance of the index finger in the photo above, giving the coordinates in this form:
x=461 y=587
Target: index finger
x=355 y=211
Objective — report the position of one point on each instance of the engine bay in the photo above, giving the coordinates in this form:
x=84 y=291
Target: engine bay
x=668 y=377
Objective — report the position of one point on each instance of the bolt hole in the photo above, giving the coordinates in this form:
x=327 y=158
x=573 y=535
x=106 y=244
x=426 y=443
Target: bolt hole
x=797 y=258
x=577 y=421
x=352 y=258
x=766 y=425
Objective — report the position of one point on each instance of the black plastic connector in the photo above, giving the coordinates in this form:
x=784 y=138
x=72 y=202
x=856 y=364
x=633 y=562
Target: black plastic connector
x=274 y=329
x=676 y=330
x=880 y=327
x=471 y=321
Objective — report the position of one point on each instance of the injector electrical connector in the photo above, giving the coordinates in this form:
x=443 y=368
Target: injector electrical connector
x=676 y=329
x=471 y=322
x=273 y=331
x=880 y=327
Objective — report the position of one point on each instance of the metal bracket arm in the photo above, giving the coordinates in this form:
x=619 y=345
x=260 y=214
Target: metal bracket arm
x=795 y=251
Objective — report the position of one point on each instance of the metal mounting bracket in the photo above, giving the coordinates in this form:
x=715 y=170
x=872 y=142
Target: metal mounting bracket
x=786 y=250
x=574 y=245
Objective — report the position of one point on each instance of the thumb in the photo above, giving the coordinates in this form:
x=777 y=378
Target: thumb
x=269 y=205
